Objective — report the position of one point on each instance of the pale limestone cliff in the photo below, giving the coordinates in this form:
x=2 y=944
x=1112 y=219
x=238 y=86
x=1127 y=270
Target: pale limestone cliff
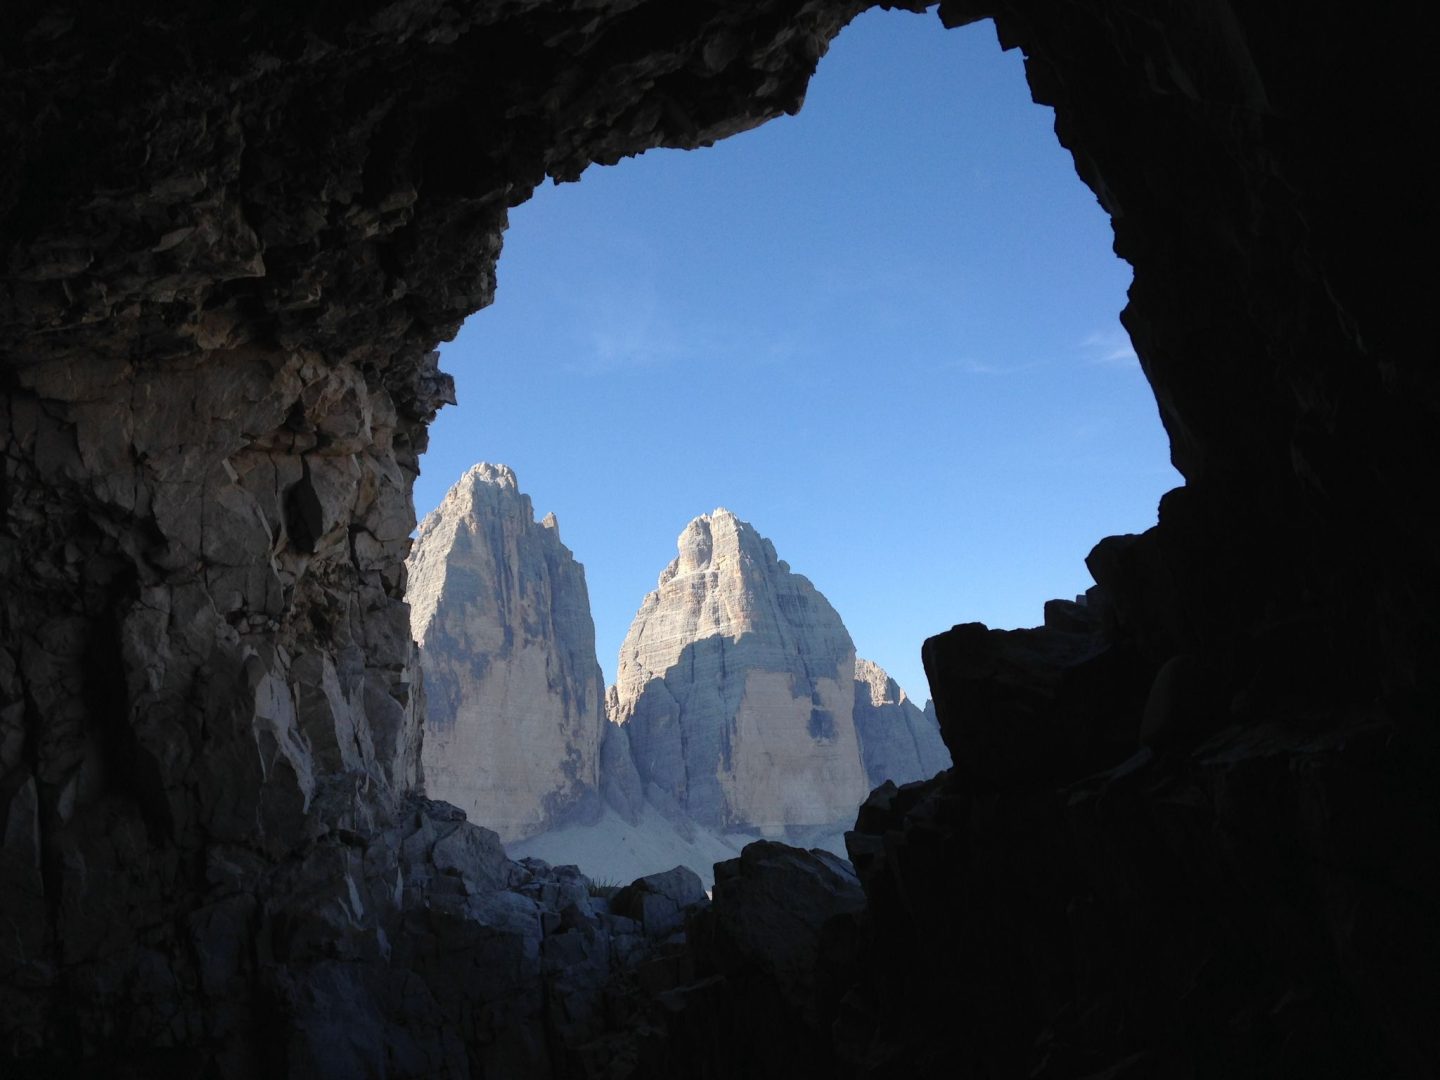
x=507 y=646
x=735 y=687
x=898 y=741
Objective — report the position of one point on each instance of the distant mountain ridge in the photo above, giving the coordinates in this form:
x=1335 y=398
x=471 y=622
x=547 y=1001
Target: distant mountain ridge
x=739 y=709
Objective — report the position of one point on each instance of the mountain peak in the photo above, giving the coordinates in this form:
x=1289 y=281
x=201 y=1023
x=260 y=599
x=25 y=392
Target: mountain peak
x=485 y=472
x=736 y=684
x=714 y=540
x=514 y=695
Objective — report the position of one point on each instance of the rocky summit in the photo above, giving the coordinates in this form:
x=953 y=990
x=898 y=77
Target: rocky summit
x=508 y=654
x=515 y=699
x=735 y=688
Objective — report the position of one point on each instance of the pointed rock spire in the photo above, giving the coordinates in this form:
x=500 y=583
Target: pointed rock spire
x=735 y=685
x=515 y=697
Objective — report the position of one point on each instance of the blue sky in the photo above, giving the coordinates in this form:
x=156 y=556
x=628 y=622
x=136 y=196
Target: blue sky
x=884 y=331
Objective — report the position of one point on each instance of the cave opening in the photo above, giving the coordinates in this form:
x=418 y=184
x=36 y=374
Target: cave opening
x=224 y=276
x=886 y=325
x=884 y=332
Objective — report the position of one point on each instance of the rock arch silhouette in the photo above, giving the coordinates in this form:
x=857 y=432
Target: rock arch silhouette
x=232 y=237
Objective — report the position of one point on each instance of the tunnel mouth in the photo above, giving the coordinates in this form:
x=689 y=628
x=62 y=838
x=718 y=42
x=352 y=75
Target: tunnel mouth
x=223 y=278
x=660 y=310
x=649 y=314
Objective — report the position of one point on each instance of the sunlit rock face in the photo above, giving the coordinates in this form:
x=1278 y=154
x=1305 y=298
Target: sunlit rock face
x=736 y=687
x=898 y=741
x=515 y=697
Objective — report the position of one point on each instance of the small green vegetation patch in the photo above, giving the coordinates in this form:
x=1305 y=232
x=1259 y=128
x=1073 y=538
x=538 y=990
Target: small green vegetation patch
x=604 y=888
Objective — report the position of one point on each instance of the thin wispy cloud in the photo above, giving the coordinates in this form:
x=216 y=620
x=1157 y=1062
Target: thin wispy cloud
x=1110 y=348
x=633 y=330
x=971 y=366
x=1087 y=429
x=640 y=345
x=887 y=289
x=623 y=329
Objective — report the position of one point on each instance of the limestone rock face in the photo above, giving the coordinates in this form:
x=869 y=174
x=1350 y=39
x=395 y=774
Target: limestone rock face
x=897 y=741
x=620 y=784
x=735 y=685
x=507 y=646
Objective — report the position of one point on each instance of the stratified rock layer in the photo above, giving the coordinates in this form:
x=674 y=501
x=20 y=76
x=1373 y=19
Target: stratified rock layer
x=736 y=687
x=897 y=741
x=514 y=695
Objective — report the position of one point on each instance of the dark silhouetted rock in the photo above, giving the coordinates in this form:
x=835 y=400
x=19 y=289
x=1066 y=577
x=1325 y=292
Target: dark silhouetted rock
x=225 y=263
x=659 y=902
x=770 y=909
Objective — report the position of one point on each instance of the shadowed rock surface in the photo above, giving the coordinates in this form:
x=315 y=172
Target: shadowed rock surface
x=230 y=238
x=897 y=741
x=514 y=695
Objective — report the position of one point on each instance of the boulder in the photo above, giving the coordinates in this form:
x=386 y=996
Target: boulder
x=659 y=902
x=769 y=912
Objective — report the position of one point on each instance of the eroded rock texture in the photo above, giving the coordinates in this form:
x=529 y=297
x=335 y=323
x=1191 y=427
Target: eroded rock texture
x=515 y=701
x=230 y=236
x=207 y=674
x=735 y=687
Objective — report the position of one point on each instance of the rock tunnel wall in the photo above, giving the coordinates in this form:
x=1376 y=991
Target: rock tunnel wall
x=232 y=236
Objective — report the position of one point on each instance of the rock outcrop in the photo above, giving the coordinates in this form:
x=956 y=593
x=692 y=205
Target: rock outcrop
x=514 y=696
x=897 y=741
x=771 y=958
x=735 y=687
